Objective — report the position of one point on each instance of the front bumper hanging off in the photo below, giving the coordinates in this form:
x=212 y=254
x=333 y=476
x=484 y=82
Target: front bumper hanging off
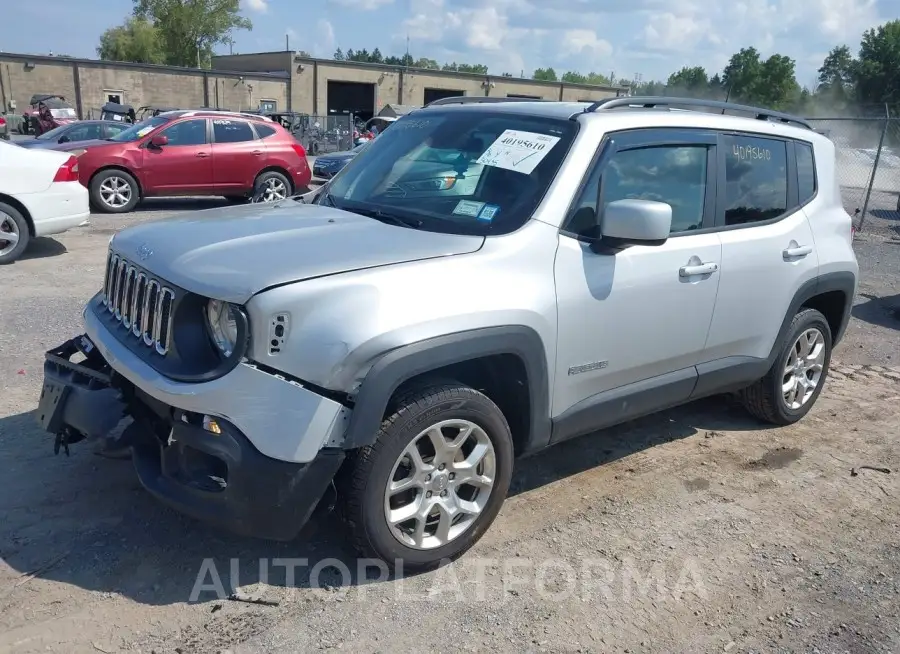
x=203 y=467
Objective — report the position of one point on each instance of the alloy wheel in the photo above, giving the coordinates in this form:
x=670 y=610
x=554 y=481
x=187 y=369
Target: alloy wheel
x=115 y=192
x=9 y=233
x=440 y=484
x=274 y=190
x=803 y=368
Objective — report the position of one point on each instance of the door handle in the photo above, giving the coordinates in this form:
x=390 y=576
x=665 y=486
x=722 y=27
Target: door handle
x=698 y=269
x=795 y=251
x=256 y=152
x=202 y=155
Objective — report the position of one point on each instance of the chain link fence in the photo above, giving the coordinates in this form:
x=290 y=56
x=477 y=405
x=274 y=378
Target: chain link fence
x=868 y=168
x=321 y=134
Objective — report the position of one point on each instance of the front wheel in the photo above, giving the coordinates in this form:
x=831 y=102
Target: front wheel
x=114 y=191
x=795 y=380
x=434 y=480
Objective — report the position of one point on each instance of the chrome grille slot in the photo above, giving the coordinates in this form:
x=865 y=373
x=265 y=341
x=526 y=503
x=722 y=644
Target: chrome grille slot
x=142 y=304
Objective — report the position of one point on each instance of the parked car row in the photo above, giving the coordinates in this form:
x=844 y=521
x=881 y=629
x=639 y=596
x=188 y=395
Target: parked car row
x=175 y=153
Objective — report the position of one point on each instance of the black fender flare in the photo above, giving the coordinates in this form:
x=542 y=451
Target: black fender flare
x=397 y=366
x=835 y=281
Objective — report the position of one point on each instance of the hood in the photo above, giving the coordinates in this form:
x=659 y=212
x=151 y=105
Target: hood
x=231 y=254
x=81 y=145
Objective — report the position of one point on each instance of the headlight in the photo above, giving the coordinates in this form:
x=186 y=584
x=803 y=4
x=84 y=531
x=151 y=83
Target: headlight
x=221 y=319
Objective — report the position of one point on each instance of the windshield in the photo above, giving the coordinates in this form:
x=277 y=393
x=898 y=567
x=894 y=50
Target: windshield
x=53 y=134
x=139 y=130
x=63 y=112
x=468 y=172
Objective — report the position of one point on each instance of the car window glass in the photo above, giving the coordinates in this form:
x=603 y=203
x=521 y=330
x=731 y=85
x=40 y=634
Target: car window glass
x=755 y=179
x=264 y=131
x=806 y=172
x=232 y=131
x=112 y=130
x=675 y=175
x=83 y=132
x=187 y=132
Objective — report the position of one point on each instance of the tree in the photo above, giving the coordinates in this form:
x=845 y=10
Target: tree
x=338 y=55
x=878 y=65
x=424 y=62
x=777 y=86
x=838 y=68
x=689 y=81
x=137 y=40
x=545 y=74
x=741 y=75
x=479 y=69
x=573 y=77
x=190 y=29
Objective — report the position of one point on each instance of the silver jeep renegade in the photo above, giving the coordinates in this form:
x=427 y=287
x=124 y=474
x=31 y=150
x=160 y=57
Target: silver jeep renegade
x=485 y=280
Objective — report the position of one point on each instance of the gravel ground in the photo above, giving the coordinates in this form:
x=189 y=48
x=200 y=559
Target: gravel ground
x=694 y=530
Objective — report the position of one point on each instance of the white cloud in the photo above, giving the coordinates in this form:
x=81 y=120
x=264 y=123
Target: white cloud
x=325 y=40
x=259 y=6
x=363 y=5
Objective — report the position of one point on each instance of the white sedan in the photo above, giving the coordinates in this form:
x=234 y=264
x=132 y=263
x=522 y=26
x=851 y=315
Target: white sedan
x=39 y=195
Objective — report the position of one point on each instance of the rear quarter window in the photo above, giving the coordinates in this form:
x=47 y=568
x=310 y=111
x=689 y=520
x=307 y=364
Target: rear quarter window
x=264 y=131
x=806 y=172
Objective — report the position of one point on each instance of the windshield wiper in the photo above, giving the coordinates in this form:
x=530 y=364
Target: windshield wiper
x=388 y=217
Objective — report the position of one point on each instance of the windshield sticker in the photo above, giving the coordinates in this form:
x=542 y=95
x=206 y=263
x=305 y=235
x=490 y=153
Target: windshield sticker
x=488 y=212
x=518 y=151
x=145 y=131
x=468 y=208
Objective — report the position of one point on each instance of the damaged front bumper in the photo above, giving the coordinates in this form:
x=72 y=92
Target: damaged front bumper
x=200 y=465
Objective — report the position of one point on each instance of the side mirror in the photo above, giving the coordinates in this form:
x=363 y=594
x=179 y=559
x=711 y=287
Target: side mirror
x=159 y=141
x=635 y=222
x=64 y=139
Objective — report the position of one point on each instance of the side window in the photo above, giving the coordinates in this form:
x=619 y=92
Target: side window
x=84 y=133
x=188 y=132
x=232 y=131
x=112 y=129
x=265 y=131
x=672 y=174
x=755 y=179
x=806 y=171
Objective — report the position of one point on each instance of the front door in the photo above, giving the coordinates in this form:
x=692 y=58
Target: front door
x=634 y=323
x=181 y=166
x=768 y=251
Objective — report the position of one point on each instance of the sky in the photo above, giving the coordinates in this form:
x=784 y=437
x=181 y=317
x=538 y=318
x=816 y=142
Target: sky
x=634 y=39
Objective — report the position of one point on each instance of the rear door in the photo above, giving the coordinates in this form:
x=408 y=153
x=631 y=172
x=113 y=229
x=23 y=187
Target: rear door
x=183 y=165
x=768 y=251
x=237 y=155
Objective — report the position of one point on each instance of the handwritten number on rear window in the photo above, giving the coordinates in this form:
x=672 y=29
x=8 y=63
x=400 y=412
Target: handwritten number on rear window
x=221 y=122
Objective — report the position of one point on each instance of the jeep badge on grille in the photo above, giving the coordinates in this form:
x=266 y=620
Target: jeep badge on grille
x=144 y=252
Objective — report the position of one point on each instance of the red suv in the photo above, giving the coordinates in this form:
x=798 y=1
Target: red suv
x=192 y=153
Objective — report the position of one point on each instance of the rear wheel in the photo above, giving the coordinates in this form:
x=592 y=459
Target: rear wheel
x=114 y=191
x=14 y=234
x=271 y=186
x=793 y=383
x=434 y=480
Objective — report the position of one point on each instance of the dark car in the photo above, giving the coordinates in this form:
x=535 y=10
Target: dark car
x=75 y=133
x=123 y=113
x=329 y=165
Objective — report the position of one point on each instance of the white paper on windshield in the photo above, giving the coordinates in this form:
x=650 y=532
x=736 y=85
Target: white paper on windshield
x=518 y=151
x=468 y=208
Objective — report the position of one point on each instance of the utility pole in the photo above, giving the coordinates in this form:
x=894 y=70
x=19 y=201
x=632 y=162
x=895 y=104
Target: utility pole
x=287 y=42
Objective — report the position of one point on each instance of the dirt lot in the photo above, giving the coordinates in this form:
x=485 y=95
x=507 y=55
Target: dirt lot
x=696 y=530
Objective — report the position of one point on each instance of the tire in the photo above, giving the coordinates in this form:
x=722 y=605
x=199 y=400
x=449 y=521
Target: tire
x=12 y=221
x=105 y=181
x=365 y=478
x=766 y=399
x=266 y=183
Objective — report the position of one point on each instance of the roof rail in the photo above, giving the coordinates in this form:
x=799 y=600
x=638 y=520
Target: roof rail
x=651 y=102
x=478 y=99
